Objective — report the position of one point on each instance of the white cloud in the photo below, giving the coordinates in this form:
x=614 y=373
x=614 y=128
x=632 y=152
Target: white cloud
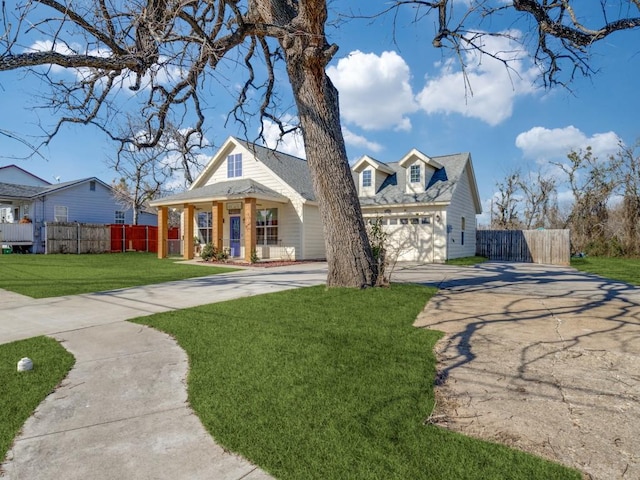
x=494 y=88
x=291 y=143
x=542 y=144
x=355 y=140
x=374 y=90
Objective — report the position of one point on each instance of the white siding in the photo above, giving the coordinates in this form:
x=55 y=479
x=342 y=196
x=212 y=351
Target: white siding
x=462 y=206
x=12 y=174
x=290 y=229
x=255 y=170
x=426 y=172
x=313 y=238
x=377 y=179
x=289 y=214
x=410 y=241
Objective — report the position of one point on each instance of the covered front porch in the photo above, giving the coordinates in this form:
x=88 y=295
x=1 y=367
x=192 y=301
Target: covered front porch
x=240 y=218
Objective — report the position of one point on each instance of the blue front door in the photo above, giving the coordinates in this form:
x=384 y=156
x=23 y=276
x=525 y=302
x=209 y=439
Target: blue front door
x=235 y=236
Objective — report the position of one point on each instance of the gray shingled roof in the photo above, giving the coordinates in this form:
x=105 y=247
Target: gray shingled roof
x=14 y=191
x=230 y=189
x=293 y=170
x=440 y=188
x=10 y=190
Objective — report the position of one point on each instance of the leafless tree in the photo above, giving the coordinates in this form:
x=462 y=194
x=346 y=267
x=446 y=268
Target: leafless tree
x=506 y=203
x=149 y=172
x=168 y=50
x=539 y=198
x=628 y=172
x=592 y=182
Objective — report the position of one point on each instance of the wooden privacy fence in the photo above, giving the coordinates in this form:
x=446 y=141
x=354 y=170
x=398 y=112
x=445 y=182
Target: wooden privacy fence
x=98 y=238
x=551 y=247
x=77 y=238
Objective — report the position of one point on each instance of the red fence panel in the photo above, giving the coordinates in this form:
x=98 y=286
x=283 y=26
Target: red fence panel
x=139 y=238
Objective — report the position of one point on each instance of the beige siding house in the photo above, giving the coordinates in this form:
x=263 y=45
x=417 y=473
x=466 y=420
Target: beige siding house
x=252 y=199
x=427 y=205
x=248 y=199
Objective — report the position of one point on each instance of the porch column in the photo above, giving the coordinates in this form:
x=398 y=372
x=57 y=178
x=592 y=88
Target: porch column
x=189 y=211
x=249 y=227
x=163 y=231
x=216 y=225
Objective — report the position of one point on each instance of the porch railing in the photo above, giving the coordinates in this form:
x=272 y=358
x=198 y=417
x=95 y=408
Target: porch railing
x=16 y=233
x=264 y=252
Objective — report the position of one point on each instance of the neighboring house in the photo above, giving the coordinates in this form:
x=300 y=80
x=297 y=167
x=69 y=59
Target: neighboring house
x=427 y=205
x=88 y=200
x=250 y=199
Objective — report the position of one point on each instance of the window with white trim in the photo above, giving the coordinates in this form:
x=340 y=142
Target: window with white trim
x=414 y=174
x=234 y=165
x=119 y=217
x=267 y=226
x=462 y=227
x=204 y=226
x=60 y=214
x=366 y=178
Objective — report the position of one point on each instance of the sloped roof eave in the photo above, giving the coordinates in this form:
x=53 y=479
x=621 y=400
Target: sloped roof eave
x=233 y=190
x=441 y=203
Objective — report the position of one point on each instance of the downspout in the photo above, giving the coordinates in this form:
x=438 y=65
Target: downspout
x=43 y=227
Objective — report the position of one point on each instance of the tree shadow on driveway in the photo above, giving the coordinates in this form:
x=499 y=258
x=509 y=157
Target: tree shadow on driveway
x=545 y=359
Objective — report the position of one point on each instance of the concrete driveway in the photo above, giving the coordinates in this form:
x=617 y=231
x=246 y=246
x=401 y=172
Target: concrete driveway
x=541 y=358
x=544 y=359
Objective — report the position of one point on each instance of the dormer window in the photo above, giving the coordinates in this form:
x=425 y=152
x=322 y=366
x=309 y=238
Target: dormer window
x=234 y=165
x=366 y=178
x=414 y=174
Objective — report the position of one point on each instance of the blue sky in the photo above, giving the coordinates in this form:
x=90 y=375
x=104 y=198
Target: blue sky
x=397 y=94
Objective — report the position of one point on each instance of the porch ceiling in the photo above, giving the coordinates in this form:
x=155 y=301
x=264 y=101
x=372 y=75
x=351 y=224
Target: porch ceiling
x=231 y=190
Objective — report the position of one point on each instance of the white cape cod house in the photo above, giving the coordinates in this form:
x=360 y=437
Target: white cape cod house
x=427 y=205
x=253 y=200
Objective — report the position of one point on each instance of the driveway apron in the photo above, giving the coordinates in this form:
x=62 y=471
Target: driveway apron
x=544 y=359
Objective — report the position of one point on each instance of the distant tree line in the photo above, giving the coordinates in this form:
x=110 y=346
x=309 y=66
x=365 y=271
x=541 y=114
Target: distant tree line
x=603 y=212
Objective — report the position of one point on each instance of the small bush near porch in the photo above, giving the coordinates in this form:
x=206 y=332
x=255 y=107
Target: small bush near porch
x=329 y=384
x=41 y=276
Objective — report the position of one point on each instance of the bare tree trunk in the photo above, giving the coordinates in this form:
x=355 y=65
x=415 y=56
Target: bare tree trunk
x=348 y=251
x=349 y=254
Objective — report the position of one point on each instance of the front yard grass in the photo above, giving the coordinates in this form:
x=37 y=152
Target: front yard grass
x=41 y=276
x=466 y=261
x=622 y=269
x=22 y=392
x=322 y=384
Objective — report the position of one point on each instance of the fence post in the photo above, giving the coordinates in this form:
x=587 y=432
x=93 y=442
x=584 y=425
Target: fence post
x=78 y=238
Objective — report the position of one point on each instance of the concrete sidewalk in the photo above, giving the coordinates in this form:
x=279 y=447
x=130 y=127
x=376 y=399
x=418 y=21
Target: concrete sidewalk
x=122 y=412
x=25 y=317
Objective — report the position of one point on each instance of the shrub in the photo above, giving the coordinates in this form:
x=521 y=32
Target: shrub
x=209 y=252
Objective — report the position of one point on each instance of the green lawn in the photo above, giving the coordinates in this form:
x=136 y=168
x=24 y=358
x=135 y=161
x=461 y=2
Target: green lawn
x=622 y=269
x=326 y=384
x=22 y=392
x=40 y=276
x=467 y=261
